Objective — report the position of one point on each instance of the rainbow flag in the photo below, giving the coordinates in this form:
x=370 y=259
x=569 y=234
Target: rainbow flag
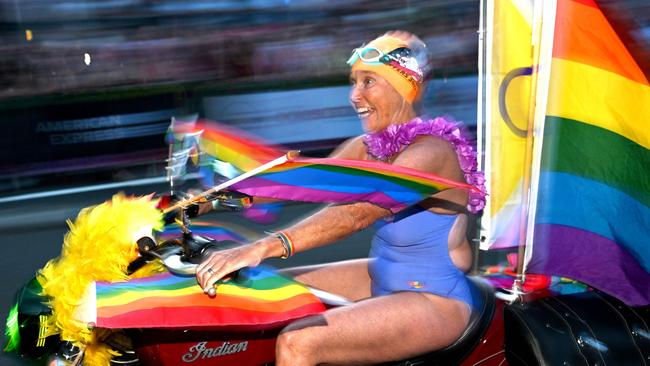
x=229 y=145
x=319 y=180
x=212 y=229
x=592 y=219
x=341 y=180
x=258 y=298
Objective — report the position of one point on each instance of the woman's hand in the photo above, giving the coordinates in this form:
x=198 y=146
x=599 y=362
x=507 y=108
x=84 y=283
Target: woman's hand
x=221 y=263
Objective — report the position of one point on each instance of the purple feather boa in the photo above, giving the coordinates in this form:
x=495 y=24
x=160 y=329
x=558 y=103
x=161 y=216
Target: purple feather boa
x=393 y=139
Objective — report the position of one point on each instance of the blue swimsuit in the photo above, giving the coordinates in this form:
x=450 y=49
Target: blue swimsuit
x=411 y=254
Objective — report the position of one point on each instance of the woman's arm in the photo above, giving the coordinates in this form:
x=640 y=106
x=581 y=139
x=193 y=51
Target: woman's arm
x=325 y=226
x=331 y=223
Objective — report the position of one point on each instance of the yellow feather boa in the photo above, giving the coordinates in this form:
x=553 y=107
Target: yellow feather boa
x=98 y=247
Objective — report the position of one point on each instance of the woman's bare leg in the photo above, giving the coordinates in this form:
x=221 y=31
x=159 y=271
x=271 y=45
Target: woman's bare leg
x=375 y=330
x=349 y=279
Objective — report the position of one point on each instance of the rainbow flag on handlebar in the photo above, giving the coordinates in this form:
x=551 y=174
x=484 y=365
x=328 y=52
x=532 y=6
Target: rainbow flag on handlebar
x=230 y=145
x=343 y=180
x=325 y=180
x=258 y=298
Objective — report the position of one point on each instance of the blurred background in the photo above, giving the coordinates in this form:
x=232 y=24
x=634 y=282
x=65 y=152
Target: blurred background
x=87 y=90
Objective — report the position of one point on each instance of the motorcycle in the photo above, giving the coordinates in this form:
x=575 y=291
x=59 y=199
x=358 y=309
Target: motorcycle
x=479 y=345
x=588 y=327
x=252 y=345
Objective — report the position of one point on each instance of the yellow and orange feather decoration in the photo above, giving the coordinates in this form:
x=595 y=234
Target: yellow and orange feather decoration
x=98 y=247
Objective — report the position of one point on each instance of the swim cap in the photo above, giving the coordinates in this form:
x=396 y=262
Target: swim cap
x=392 y=59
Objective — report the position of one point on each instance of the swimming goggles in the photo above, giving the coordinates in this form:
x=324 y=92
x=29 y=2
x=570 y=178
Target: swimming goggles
x=371 y=56
x=400 y=59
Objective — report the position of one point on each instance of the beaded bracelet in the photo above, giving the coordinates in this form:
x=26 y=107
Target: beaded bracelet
x=287 y=244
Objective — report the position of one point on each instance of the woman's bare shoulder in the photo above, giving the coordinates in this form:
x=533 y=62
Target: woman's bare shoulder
x=353 y=148
x=428 y=153
x=433 y=143
x=436 y=156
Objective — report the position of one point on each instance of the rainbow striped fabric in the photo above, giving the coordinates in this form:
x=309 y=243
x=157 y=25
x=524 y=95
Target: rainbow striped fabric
x=341 y=180
x=258 y=298
x=318 y=180
x=243 y=151
x=593 y=214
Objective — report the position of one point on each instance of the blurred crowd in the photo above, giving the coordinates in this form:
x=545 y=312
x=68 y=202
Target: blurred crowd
x=262 y=65
x=73 y=46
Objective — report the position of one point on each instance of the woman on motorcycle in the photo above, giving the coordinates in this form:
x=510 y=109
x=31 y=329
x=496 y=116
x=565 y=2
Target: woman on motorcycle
x=411 y=295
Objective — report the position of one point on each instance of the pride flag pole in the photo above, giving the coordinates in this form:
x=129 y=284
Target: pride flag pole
x=544 y=62
x=290 y=155
x=542 y=31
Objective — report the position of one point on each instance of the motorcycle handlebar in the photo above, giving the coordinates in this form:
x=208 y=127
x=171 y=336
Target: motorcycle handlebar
x=220 y=201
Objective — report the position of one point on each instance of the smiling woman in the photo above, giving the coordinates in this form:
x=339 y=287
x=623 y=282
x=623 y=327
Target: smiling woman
x=377 y=103
x=386 y=79
x=418 y=254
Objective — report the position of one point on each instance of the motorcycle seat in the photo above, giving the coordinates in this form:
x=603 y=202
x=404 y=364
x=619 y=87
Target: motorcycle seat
x=479 y=321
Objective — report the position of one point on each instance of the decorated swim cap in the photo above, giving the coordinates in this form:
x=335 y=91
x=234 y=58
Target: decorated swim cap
x=392 y=59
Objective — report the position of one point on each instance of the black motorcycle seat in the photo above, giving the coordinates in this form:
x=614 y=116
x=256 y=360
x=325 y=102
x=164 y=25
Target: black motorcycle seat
x=479 y=321
x=586 y=328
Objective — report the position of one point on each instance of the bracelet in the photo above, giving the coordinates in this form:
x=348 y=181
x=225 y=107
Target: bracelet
x=287 y=244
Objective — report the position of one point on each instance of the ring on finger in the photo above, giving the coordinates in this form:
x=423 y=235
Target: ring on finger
x=210 y=270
